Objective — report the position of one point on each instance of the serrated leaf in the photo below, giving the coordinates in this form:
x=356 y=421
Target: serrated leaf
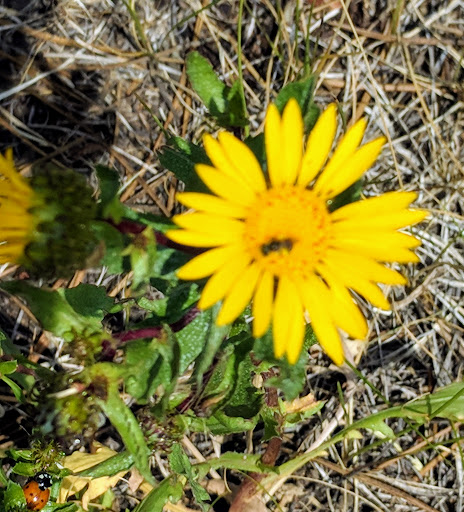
x=65 y=313
x=180 y=157
x=13 y=498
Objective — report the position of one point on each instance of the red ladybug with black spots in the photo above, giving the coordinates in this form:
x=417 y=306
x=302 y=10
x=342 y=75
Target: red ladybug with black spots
x=37 y=491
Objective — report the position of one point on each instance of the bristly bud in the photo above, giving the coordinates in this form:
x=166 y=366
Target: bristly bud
x=63 y=239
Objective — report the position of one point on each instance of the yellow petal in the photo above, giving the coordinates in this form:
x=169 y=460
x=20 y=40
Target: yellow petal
x=319 y=143
x=244 y=161
x=359 y=284
x=292 y=140
x=195 y=239
x=288 y=323
x=221 y=282
x=343 y=151
x=209 y=262
x=262 y=304
x=12 y=234
x=8 y=170
x=386 y=247
x=345 y=312
x=11 y=253
x=219 y=159
x=225 y=186
x=211 y=204
x=239 y=295
x=387 y=221
x=350 y=170
x=209 y=223
x=273 y=143
x=316 y=300
x=385 y=204
x=365 y=267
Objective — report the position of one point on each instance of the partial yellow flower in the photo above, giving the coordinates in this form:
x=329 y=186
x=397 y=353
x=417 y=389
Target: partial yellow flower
x=17 y=223
x=273 y=240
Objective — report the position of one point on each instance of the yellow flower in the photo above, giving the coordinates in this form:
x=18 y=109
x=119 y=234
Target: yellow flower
x=17 y=223
x=274 y=241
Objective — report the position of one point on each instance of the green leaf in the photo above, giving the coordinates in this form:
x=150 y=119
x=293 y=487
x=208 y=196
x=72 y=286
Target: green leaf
x=7 y=367
x=223 y=375
x=220 y=424
x=113 y=242
x=26 y=468
x=110 y=207
x=213 y=340
x=236 y=461
x=291 y=378
x=271 y=425
x=142 y=253
x=13 y=498
x=303 y=92
x=235 y=115
x=7 y=347
x=128 y=428
x=245 y=400
x=144 y=372
x=88 y=300
x=65 y=313
x=170 y=489
x=120 y=462
x=17 y=391
x=256 y=144
x=191 y=339
x=350 y=195
x=206 y=84
x=108 y=181
x=180 y=157
x=172 y=308
x=224 y=103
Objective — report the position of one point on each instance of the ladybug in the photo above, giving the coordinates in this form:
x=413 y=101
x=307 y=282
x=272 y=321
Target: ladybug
x=37 y=491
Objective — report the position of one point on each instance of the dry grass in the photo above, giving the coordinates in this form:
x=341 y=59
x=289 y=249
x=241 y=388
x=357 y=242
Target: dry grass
x=71 y=75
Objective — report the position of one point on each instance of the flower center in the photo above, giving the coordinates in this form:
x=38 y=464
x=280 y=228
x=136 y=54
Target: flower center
x=288 y=231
